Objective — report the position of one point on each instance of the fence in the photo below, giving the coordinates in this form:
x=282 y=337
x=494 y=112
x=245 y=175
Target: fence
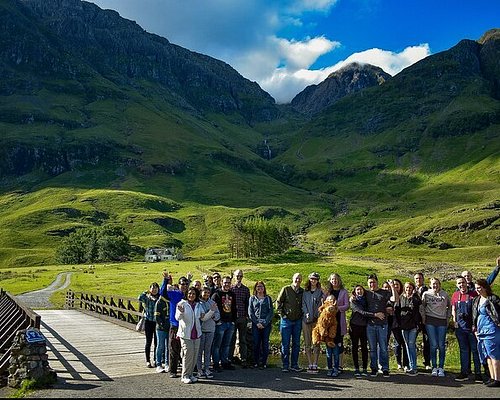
x=14 y=316
x=124 y=311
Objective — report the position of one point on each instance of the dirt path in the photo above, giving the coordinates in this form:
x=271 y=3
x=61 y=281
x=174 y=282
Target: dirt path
x=40 y=298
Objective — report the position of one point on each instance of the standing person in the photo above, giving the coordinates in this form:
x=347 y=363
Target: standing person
x=378 y=301
x=436 y=313
x=357 y=329
x=461 y=311
x=399 y=342
x=242 y=296
x=162 y=317
x=486 y=324
x=407 y=314
x=261 y=312
x=188 y=313
x=174 y=295
x=148 y=299
x=336 y=288
x=420 y=288
x=289 y=307
x=208 y=317
x=217 y=280
x=226 y=302
x=490 y=278
x=311 y=300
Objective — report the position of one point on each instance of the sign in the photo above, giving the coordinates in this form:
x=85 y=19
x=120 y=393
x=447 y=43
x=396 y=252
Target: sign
x=33 y=335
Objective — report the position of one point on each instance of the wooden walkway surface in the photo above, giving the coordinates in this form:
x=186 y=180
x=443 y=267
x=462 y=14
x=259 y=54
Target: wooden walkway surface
x=86 y=348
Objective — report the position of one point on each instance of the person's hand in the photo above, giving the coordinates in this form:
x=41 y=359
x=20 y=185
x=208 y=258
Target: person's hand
x=498 y=261
x=189 y=275
x=165 y=274
x=380 y=315
x=180 y=307
x=213 y=307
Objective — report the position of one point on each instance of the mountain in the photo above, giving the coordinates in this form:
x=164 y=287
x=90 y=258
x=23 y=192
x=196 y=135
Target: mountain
x=350 y=79
x=103 y=122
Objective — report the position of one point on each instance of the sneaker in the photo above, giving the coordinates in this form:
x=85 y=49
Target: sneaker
x=149 y=365
x=284 y=369
x=186 y=380
x=493 y=383
x=412 y=372
x=385 y=374
x=172 y=375
x=374 y=373
x=364 y=372
x=200 y=374
x=255 y=366
x=428 y=368
x=462 y=377
x=478 y=378
x=441 y=372
x=193 y=379
x=208 y=374
x=400 y=367
x=159 y=369
x=310 y=369
x=335 y=372
x=296 y=369
x=357 y=374
x=434 y=372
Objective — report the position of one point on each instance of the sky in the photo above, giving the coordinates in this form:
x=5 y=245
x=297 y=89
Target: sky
x=287 y=45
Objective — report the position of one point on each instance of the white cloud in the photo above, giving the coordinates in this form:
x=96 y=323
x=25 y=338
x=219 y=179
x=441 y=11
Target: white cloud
x=283 y=84
x=244 y=34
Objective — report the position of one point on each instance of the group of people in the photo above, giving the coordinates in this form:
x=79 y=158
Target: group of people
x=198 y=323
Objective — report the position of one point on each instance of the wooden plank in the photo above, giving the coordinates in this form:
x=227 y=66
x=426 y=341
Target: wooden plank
x=83 y=347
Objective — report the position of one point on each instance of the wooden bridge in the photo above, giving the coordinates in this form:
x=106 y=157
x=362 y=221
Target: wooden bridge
x=92 y=339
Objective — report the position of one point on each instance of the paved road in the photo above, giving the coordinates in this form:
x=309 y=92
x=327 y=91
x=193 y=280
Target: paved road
x=270 y=383
x=40 y=298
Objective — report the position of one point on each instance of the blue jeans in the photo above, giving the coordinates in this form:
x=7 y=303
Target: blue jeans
x=162 y=347
x=333 y=356
x=222 y=342
x=290 y=330
x=467 y=344
x=410 y=337
x=261 y=343
x=437 y=341
x=377 y=340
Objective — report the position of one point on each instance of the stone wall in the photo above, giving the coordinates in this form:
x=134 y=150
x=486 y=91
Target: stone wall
x=29 y=359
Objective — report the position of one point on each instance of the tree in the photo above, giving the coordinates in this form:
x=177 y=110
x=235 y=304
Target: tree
x=258 y=237
x=87 y=245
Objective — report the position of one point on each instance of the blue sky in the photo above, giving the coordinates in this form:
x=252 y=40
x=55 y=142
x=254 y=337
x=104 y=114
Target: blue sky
x=286 y=45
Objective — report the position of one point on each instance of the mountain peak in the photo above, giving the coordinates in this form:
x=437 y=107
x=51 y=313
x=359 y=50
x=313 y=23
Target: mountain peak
x=349 y=79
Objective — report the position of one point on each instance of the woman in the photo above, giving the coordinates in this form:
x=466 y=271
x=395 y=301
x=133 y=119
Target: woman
x=399 y=342
x=208 y=333
x=486 y=325
x=357 y=330
x=436 y=313
x=335 y=287
x=189 y=313
x=148 y=300
x=311 y=300
x=407 y=314
x=261 y=312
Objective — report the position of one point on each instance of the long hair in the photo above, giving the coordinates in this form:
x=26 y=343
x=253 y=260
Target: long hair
x=484 y=284
x=257 y=284
x=330 y=286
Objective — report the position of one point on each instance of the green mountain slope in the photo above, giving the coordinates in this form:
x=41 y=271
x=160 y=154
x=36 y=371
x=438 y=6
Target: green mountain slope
x=103 y=122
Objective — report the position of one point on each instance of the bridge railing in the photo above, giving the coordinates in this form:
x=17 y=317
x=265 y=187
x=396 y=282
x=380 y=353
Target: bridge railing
x=14 y=316
x=121 y=310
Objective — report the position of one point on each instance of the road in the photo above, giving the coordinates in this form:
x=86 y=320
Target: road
x=39 y=299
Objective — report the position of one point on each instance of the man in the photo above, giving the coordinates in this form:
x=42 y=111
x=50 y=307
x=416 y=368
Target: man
x=420 y=288
x=217 y=282
x=378 y=301
x=242 y=294
x=490 y=278
x=226 y=302
x=289 y=307
x=174 y=295
x=461 y=310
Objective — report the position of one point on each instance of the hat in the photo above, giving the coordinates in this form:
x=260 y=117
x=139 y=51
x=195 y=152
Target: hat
x=314 y=275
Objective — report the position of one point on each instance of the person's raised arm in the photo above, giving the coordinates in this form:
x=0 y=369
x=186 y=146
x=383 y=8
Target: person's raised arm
x=493 y=274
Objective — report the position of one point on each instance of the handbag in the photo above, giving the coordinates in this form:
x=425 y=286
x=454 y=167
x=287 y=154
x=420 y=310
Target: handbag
x=140 y=325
